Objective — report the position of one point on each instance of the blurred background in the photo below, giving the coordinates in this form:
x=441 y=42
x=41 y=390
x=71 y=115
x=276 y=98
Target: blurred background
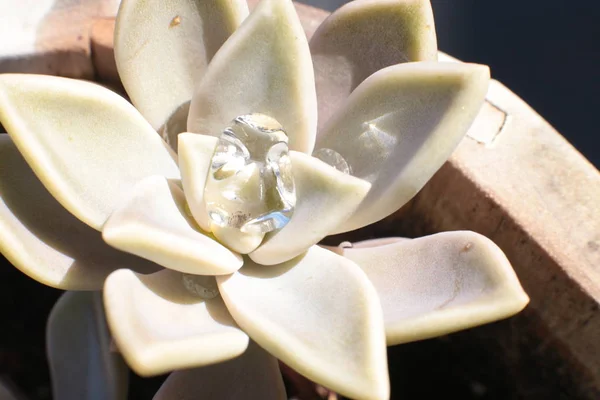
x=546 y=51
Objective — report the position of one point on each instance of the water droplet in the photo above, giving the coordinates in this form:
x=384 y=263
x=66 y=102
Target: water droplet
x=334 y=159
x=201 y=286
x=250 y=184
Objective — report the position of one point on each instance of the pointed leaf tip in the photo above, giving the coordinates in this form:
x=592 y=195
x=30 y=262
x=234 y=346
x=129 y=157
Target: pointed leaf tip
x=400 y=126
x=181 y=36
x=319 y=314
x=440 y=284
x=160 y=326
x=43 y=240
x=325 y=196
x=153 y=223
x=85 y=143
x=264 y=67
x=363 y=37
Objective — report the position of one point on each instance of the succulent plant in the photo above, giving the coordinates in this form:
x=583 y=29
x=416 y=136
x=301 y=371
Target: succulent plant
x=204 y=237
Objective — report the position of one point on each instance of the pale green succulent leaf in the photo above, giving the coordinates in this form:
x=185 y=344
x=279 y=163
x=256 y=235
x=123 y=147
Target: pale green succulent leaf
x=160 y=326
x=264 y=67
x=46 y=242
x=364 y=36
x=325 y=198
x=439 y=284
x=319 y=314
x=400 y=126
x=153 y=223
x=253 y=375
x=162 y=49
x=82 y=364
x=379 y=242
x=8 y=391
x=86 y=144
x=195 y=154
x=236 y=240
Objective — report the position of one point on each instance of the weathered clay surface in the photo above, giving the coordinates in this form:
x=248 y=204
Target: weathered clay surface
x=50 y=36
x=101 y=40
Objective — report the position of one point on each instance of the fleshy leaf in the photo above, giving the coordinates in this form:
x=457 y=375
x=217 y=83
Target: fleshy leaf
x=8 y=391
x=46 y=242
x=264 y=67
x=153 y=223
x=440 y=284
x=159 y=325
x=253 y=375
x=319 y=314
x=180 y=36
x=86 y=144
x=364 y=36
x=236 y=240
x=339 y=249
x=325 y=198
x=195 y=153
x=378 y=242
x=399 y=127
x=82 y=365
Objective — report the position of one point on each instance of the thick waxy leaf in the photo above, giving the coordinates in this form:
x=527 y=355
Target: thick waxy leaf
x=46 y=242
x=237 y=240
x=195 y=153
x=319 y=314
x=339 y=249
x=8 y=391
x=82 y=365
x=162 y=50
x=253 y=375
x=363 y=37
x=264 y=67
x=153 y=223
x=378 y=242
x=440 y=284
x=86 y=144
x=325 y=198
x=159 y=325
x=398 y=128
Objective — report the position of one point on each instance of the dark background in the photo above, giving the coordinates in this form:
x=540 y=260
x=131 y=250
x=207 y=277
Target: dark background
x=546 y=51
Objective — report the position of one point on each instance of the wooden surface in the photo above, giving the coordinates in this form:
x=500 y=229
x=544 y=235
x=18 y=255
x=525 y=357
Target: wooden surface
x=517 y=181
x=536 y=197
x=50 y=36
